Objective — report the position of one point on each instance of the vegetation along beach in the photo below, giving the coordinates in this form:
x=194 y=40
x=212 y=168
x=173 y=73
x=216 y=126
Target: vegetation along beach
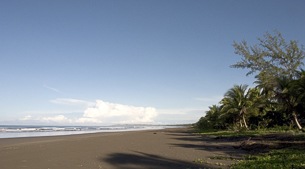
x=270 y=114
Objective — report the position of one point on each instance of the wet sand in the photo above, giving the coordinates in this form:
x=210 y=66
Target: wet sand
x=158 y=149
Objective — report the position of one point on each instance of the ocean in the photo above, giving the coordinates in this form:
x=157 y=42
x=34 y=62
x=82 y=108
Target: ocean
x=16 y=131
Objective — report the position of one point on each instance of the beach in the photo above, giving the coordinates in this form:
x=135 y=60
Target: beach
x=155 y=149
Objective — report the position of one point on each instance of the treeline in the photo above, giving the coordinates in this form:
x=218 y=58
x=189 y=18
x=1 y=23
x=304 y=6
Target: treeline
x=278 y=99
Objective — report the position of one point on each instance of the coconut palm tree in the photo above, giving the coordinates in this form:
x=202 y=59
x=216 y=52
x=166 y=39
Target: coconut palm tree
x=289 y=95
x=296 y=91
x=236 y=103
x=213 y=116
x=211 y=120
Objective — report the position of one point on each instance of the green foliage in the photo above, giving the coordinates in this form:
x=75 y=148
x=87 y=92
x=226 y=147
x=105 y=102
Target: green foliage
x=212 y=120
x=203 y=123
x=229 y=133
x=276 y=159
x=252 y=133
x=279 y=97
x=272 y=55
x=289 y=157
x=238 y=102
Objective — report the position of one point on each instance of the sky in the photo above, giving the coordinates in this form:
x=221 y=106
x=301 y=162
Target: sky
x=101 y=62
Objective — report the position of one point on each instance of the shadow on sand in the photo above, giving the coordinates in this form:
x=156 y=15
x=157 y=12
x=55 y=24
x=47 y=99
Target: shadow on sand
x=182 y=139
x=149 y=161
x=238 y=146
x=199 y=142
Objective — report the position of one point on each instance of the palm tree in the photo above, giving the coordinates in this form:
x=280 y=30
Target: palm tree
x=283 y=93
x=296 y=90
x=266 y=82
x=236 y=103
x=213 y=116
x=288 y=95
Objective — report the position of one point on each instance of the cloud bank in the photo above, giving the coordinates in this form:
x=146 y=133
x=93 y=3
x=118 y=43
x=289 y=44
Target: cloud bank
x=98 y=113
x=118 y=113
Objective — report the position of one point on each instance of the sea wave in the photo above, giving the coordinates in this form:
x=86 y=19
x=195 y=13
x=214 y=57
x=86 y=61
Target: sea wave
x=39 y=131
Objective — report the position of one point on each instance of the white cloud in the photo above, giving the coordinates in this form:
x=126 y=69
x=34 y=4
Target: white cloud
x=98 y=113
x=118 y=113
x=85 y=120
x=72 y=102
x=28 y=117
x=104 y=113
x=52 y=88
x=56 y=119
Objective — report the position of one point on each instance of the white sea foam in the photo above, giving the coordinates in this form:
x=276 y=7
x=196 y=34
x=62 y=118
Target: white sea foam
x=39 y=131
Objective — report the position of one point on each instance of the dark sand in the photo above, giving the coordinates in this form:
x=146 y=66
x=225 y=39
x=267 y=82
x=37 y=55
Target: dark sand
x=159 y=149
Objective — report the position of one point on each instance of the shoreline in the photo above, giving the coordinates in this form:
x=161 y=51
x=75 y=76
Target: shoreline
x=23 y=131
x=158 y=149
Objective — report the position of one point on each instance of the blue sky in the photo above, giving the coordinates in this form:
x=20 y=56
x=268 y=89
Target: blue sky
x=69 y=62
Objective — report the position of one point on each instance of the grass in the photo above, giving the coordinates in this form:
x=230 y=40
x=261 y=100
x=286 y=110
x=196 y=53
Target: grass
x=275 y=159
x=292 y=157
x=249 y=133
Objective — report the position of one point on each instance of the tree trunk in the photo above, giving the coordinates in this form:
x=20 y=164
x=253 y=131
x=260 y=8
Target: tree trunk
x=240 y=124
x=296 y=120
x=242 y=113
x=245 y=123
